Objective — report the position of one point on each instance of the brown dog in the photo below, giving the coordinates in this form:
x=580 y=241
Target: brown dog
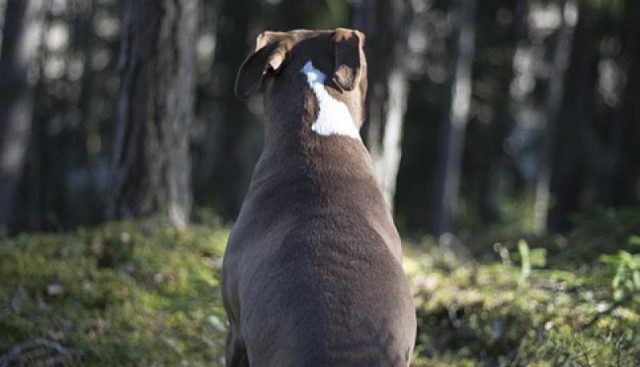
x=312 y=273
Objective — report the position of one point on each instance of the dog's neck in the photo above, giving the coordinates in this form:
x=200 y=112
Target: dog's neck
x=333 y=116
x=305 y=123
x=302 y=109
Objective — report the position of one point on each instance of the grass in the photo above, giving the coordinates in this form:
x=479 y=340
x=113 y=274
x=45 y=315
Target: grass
x=137 y=294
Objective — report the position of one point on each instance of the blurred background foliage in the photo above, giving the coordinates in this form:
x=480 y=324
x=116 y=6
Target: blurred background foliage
x=529 y=111
x=551 y=128
x=505 y=134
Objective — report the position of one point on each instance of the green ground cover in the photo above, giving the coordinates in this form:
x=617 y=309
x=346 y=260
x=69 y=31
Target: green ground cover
x=138 y=294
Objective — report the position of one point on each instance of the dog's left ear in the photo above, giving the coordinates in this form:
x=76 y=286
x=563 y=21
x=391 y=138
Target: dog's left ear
x=271 y=50
x=348 y=45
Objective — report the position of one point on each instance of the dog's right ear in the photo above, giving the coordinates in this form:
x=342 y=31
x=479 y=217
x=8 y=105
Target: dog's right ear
x=271 y=50
x=348 y=45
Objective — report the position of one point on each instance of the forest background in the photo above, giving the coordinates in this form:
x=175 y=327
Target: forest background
x=505 y=136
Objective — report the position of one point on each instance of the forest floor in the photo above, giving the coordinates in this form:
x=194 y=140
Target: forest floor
x=136 y=294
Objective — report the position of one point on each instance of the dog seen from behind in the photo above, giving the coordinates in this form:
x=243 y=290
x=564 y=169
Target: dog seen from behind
x=312 y=273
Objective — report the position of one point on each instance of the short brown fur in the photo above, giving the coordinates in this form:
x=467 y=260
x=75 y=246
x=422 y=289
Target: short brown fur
x=312 y=273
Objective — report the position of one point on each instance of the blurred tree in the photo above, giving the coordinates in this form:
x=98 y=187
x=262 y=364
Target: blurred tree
x=19 y=73
x=155 y=110
x=428 y=60
x=454 y=122
x=387 y=24
x=567 y=156
x=230 y=173
x=558 y=56
x=624 y=186
x=206 y=137
x=485 y=161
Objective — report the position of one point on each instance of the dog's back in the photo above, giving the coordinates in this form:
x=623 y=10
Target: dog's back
x=312 y=273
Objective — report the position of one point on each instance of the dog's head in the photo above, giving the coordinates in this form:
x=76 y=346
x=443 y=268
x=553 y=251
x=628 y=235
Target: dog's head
x=329 y=63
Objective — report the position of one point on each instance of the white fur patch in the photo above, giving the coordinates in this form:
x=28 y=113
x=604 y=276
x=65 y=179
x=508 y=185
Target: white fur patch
x=333 y=116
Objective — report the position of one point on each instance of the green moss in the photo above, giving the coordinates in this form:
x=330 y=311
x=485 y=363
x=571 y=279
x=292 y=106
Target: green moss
x=124 y=294
x=483 y=315
x=135 y=294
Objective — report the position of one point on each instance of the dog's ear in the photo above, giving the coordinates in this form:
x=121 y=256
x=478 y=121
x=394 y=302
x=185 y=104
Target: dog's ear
x=271 y=50
x=348 y=45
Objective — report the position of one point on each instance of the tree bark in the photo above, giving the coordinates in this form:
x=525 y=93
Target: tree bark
x=560 y=47
x=386 y=24
x=156 y=110
x=452 y=130
x=19 y=74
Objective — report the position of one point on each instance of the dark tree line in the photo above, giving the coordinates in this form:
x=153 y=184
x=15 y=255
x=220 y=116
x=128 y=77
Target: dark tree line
x=19 y=74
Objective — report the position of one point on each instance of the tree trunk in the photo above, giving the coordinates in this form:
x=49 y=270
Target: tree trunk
x=19 y=73
x=386 y=24
x=452 y=130
x=386 y=154
x=560 y=47
x=206 y=135
x=625 y=181
x=234 y=124
x=156 y=110
x=570 y=154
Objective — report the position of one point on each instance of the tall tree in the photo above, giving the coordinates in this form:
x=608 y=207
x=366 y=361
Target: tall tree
x=622 y=187
x=454 y=122
x=503 y=25
x=560 y=48
x=19 y=73
x=156 y=110
x=231 y=125
x=387 y=25
x=570 y=153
